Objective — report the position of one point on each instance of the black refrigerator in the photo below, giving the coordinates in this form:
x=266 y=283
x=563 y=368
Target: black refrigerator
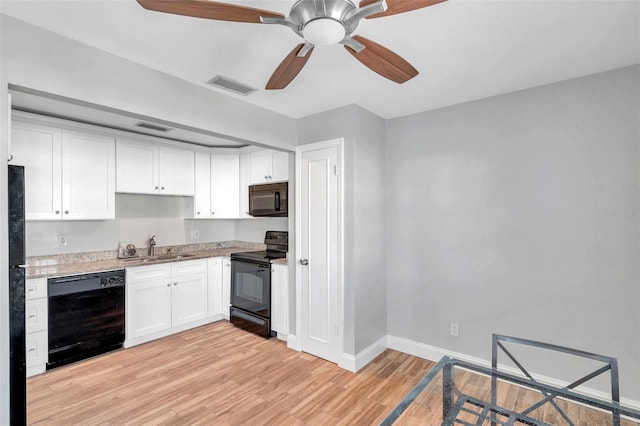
x=17 y=355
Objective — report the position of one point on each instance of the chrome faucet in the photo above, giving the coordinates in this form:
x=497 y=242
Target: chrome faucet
x=152 y=246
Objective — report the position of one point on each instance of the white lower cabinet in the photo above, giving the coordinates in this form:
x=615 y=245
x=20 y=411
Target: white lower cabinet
x=280 y=300
x=37 y=346
x=165 y=299
x=189 y=292
x=148 y=300
x=219 y=287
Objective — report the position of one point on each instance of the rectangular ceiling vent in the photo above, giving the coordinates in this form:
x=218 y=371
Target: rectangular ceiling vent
x=155 y=127
x=231 y=85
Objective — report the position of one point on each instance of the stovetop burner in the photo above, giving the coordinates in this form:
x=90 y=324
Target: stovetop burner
x=262 y=256
x=277 y=245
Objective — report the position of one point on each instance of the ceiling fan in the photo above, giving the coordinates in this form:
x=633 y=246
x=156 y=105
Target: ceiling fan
x=318 y=22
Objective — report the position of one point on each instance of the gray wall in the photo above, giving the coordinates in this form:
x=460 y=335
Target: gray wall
x=364 y=286
x=518 y=215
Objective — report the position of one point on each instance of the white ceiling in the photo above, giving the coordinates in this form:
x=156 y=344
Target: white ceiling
x=464 y=49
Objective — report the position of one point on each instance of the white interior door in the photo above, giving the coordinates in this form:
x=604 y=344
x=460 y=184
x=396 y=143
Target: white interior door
x=319 y=251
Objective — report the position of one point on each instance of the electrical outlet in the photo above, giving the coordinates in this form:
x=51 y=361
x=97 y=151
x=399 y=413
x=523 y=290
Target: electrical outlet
x=195 y=234
x=454 y=329
x=62 y=239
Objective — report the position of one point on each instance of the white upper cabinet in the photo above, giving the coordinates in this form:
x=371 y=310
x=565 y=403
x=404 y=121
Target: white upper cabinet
x=68 y=174
x=269 y=166
x=245 y=181
x=260 y=166
x=225 y=187
x=202 y=196
x=279 y=166
x=88 y=176
x=137 y=167
x=39 y=150
x=175 y=171
x=147 y=168
x=217 y=187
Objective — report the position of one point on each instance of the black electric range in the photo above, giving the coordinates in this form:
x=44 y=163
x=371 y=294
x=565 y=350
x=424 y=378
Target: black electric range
x=251 y=284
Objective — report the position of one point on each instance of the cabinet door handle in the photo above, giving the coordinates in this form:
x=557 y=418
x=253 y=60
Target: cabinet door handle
x=213 y=213
x=66 y=212
x=156 y=187
x=304 y=262
x=169 y=285
x=175 y=283
x=31 y=316
x=162 y=187
x=57 y=211
x=197 y=212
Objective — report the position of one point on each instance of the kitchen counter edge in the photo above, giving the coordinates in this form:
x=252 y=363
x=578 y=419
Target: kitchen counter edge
x=66 y=269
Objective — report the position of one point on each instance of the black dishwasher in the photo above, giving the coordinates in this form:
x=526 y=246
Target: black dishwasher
x=86 y=316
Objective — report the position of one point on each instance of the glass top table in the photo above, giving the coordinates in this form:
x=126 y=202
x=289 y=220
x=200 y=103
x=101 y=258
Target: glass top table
x=457 y=392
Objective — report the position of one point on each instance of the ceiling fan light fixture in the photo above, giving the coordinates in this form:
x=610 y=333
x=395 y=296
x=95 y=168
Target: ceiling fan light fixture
x=324 y=32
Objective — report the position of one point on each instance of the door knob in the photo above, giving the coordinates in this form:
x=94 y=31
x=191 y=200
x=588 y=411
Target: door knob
x=304 y=262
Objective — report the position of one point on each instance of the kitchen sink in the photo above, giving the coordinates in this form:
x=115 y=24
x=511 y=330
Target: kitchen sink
x=174 y=256
x=170 y=256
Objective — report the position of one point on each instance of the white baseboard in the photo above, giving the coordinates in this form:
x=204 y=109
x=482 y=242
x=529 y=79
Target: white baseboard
x=364 y=357
x=293 y=343
x=355 y=363
x=348 y=362
x=130 y=342
x=434 y=353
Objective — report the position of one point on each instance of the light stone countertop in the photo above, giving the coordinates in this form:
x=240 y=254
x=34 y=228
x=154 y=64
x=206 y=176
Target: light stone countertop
x=82 y=263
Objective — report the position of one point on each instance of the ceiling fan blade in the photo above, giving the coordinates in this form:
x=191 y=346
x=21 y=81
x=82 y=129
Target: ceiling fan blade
x=383 y=61
x=288 y=68
x=209 y=10
x=400 y=6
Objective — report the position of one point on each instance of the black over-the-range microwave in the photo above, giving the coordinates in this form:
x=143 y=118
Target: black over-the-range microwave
x=268 y=199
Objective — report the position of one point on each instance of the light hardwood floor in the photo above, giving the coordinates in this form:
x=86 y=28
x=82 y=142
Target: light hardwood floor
x=219 y=375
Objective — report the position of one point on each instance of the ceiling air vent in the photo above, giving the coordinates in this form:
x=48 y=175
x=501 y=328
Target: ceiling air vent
x=155 y=127
x=231 y=85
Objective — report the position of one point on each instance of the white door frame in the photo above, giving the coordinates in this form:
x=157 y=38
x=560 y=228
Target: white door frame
x=295 y=342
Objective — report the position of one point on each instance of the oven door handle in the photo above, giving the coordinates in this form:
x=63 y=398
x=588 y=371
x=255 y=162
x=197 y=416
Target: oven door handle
x=247 y=317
